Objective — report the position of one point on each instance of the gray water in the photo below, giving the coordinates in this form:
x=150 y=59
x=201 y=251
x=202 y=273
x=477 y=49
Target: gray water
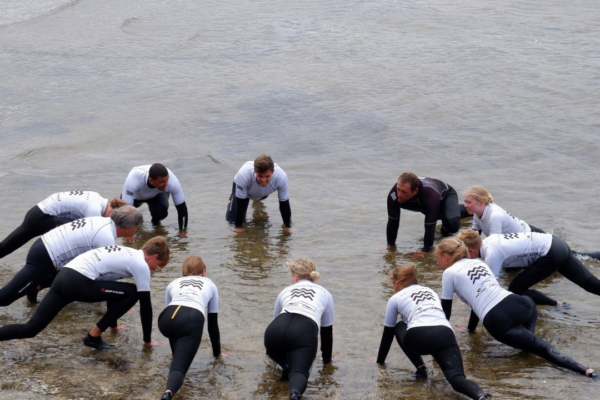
x=345 y=95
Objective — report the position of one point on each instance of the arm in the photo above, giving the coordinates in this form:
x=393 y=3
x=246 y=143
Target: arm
x=286 y=213
x=447 y=307
x=240 y=212
x=393 y=208
x=214 y=334
x=146 y=315
x=431 y=209
x=386 y=342
x=129 y=187
x=473 y=321
x=182 y=216
x=326 y=343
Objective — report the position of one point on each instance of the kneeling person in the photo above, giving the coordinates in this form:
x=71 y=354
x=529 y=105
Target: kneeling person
x=90 y=278
x=256 y=180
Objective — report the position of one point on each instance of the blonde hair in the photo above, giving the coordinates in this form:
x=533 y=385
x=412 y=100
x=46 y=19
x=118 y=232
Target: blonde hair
x=403 y=276
x=305 y=269
x=480 y=194
x=158 y=245
x=470 y=238
x=116 y=203
x=193 y=265
x=453 y=246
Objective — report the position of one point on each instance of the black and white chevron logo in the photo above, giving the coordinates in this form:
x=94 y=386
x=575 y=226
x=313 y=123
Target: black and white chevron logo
x=511 y=236
x=80 y=223
x=191 y=282
x=478 y=272
x=422 y=296
x=110 y=249
x=306 y=293
x=76 y=193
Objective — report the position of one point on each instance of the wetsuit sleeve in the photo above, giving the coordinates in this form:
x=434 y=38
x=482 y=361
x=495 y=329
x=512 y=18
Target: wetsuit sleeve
x=214 y=334
x=326 y=343
x=286 y=212
x=146 y=315
x=182 y=216
x=240 y=212
x=386 y=342
x=431 y=209
x=393 y=223
x=447 y=307
x=473 y=321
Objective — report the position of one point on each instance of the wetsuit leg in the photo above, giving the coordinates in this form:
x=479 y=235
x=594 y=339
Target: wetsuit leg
x=231 y=206
x=576 y=272
x=159 y=207
x=50 y=306
x=183 y=326
x=440 y=342
x=540 y=269
x=77 y=287
x=36 y=223
x=38 y=268
x=536 y=229
x=508 y=323
x=450 y=213
x=400 y=333
x=298 y=341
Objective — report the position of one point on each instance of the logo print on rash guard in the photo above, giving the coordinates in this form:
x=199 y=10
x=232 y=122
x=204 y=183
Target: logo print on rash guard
x=191 y=282
x=508 y=236
x=421 y=296
x=306 y=293
x=478 y=272
x=80 y=223
x=76 y=193
x=110 y=249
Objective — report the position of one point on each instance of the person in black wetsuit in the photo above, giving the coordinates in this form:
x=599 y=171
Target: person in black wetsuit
x=189 y=301
x=423 y=330
x=435 y=199
x=90 y=278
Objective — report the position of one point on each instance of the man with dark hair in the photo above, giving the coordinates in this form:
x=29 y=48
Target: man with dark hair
x=56 y=248
x=152 y=184
x=256 y=180
x=432 y=197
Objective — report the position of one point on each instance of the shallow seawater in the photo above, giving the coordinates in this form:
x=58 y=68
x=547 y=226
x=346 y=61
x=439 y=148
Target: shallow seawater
x=345 y=95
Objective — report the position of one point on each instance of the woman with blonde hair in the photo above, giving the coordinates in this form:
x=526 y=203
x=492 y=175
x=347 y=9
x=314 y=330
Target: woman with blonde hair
x=423 y=330
x=291 y=339
x=188 y=300
x=490 y=218
x=508 y=317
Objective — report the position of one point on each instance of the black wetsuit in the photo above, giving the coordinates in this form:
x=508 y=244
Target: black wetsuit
x=159 y=209
x=438 y=341
x=183 y=326
x=291 y=341
x=512 y=322
x=237 y=209
x=436 y=200
x=36 y=223
x=559 y=259
x=70 y=286
x=38 y=271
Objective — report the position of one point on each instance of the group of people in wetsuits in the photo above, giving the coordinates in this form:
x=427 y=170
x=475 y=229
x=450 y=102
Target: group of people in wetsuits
x=470 y=268
x=77 y=257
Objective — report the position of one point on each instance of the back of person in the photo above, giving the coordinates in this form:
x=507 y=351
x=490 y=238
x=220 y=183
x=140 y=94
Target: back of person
x=69 y=240
x=418 y=305
x=514 y=250
x=74 y=204
x=496 y=220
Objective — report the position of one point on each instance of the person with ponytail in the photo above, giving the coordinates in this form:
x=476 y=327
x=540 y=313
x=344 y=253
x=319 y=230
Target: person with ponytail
x=301 y=310
x=508 y=317
x=423 y=330
x=490 y=218
x=541 y=254
x=189 y=301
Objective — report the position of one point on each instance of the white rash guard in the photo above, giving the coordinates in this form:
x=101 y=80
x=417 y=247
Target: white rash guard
x=495 y=220
x=195 y=292
x=136 y=186
x=418 y=306
x=308 y=299
x=248 y=188
x=514 y=250
x=75 y=204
